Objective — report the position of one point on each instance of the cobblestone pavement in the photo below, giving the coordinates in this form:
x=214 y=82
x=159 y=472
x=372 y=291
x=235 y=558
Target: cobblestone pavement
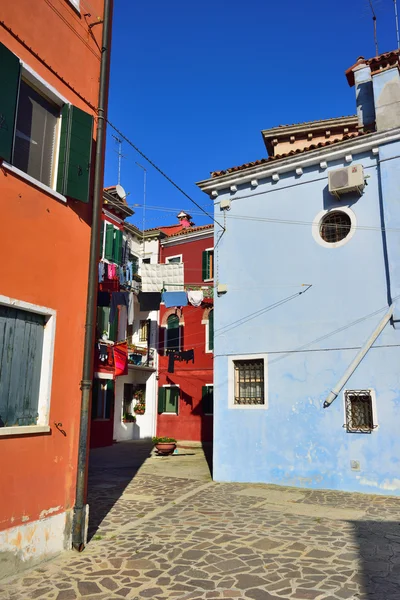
x=186 y=538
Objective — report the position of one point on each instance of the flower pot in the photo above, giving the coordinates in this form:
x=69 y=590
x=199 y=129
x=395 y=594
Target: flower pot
x=165 y=447
x=139 y=412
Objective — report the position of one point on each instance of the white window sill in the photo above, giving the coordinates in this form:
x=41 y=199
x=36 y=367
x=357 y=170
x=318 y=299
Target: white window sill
x=33 y=181
x=208 y=280
x=24 y=430
x=171 y=414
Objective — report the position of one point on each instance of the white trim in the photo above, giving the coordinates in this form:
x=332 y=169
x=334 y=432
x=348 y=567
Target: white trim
x=172 y=385
x=373 y=403
x=231 y=382
x=46 y=370
x=168 y=259
x=311 y=158
x=33 y=181
x=315 y=227
x=114 y=218
x=209 y=385
x=99 y=375
x=75 y=4
x=24 y=430
x=207 y=328
x=48 y=90
x=189 y=237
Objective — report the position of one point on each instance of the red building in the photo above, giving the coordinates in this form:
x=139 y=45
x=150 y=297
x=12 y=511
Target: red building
x=185 y=396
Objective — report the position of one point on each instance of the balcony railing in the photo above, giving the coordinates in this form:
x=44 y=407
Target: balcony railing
x=140 y=357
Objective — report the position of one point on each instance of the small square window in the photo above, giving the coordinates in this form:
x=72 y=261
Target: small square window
x=249 y=381
x=144 y=331
x=172 y=260
x=208 y=265
x=359 y=411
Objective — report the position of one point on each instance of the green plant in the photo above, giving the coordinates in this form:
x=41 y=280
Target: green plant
x=163 y=440
x=128 y=417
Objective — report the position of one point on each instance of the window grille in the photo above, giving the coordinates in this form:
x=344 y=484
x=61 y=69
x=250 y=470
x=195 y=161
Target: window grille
x=335 y=226
x=359 y=413
x=249 y=381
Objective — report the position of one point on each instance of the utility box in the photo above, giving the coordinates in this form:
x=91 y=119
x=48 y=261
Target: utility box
x=345 y=180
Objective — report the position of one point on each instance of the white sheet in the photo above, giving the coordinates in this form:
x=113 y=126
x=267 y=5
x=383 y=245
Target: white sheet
x=160 y=276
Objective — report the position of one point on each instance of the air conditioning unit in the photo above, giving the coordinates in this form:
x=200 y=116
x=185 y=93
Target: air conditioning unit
x=348 y=179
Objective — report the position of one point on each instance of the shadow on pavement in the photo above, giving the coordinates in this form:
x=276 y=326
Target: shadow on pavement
x=379 y=551
x=208 y=453
x=111 y=469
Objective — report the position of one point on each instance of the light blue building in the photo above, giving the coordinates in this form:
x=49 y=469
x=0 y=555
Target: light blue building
x=307 y=313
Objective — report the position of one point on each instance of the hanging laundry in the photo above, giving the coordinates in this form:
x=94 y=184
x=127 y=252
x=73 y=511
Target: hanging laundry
x=118 y=299
x=173 y=355
x=131 y=303
x=103 y=299
x=121 y=359
x=195 y=297
x=129 y=271
x=111 y=271
x=103 y=354
x=101 y=271
x=160 y=276
x=149 y=301
x=121 y=275
x=174 y=299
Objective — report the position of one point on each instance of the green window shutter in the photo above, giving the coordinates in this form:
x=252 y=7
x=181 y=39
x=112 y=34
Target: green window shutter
x=205 y=265
x=161 y=400
x=108 y=252
x=10 y=79
x=109 y=399
x=103 y=317
x=101 y=239
x=211 y=330
x=171 y=400
x=75 y=153
x=118 y=247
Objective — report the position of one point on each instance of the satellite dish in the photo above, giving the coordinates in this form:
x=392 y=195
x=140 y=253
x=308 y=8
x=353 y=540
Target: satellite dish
x=120 y=191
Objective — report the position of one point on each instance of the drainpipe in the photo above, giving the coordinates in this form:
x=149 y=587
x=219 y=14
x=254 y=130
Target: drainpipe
x=80 y=513
x=350 y=370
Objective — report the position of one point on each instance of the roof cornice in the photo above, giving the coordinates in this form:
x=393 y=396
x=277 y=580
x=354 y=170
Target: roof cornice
x=307 y=159
x=189 y=237
x=310 y=126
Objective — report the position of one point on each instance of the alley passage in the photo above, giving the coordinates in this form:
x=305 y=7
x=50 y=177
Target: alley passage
x=161 y=529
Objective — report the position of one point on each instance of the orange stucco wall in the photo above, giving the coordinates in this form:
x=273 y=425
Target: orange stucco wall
x=45 y=255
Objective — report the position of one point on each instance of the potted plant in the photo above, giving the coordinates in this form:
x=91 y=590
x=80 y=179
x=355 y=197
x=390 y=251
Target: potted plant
x=164 y=445
x=140 y=405
x=129 y=418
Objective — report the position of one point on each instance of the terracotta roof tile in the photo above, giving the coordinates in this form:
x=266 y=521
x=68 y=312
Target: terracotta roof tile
x=287 y=154
x=377 y=63
x=192 y=230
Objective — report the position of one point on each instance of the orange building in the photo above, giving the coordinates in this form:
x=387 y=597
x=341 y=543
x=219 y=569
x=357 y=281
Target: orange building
x=50 y=56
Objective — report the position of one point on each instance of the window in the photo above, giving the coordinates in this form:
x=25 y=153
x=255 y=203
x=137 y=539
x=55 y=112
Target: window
x=359 y=411
x=35 y=134
x=102 y=398
x=146 y=261
x=112 y=243
x=75 y=3
x=168 y=399
x=335 y=226
x=210 y=332
x=174 y=259
x=208 y=265
x=172 y=333
x=128 y=397
x=26 y=361
x=105 y=329
x=249 y=381
x=135 y=263
x=207 y=399
x=41 y=135
x=144 y=331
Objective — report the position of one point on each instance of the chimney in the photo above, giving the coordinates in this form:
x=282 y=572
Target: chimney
x=185 y=219
x=364 y=95
x=386 y=85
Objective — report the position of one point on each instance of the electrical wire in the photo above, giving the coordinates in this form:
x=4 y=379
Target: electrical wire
x=162 y=172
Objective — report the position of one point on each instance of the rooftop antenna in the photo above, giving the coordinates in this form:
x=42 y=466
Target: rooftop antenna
x=144 y=204
x=120 y=156
x=397 y=23
x=375 y=35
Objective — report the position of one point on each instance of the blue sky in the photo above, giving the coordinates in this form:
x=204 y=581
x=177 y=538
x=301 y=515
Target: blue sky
x=193 y=84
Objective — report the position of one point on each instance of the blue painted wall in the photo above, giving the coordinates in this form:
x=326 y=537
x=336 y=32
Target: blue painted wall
x=295 y=441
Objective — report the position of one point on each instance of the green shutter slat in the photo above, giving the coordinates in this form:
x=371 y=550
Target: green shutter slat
x=211 y=330
x=205 y=265
x=161 y=400
x=75 y=153
x=108 y=252
x=101 y=239
x=118 y=247
x=10 y=80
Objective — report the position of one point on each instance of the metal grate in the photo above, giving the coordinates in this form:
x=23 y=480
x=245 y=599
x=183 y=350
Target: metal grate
x=335 y=226
x=249 y=381
x=359 y=415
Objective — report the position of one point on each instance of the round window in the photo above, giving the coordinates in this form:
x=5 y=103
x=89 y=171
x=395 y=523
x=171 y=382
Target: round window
x=335 y=226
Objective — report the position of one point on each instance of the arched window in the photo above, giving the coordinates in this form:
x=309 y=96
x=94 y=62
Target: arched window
x=210 y=332
x=172 y=333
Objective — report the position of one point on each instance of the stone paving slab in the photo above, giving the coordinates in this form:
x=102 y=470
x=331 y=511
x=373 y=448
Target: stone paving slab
x=203 y=540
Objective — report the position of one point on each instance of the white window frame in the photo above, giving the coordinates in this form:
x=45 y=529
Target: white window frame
x=315 y=228
x=104 y=399
x=206 y=322
x=210 y=250
x=373 y=404
x=103 y=243
x=231 y=381
x=76 y=4
x=46 y=372
x=209 y=385
x=172 y=385
x=54 y=96
x=168 y=259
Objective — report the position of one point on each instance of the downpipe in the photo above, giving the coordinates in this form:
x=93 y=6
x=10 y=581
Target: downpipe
x=358 y=358
x=80 y=510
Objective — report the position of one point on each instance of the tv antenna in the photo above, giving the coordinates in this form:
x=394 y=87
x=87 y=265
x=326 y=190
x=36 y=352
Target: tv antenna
x=374 y=20
x=120 y=156
x=396 y=17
